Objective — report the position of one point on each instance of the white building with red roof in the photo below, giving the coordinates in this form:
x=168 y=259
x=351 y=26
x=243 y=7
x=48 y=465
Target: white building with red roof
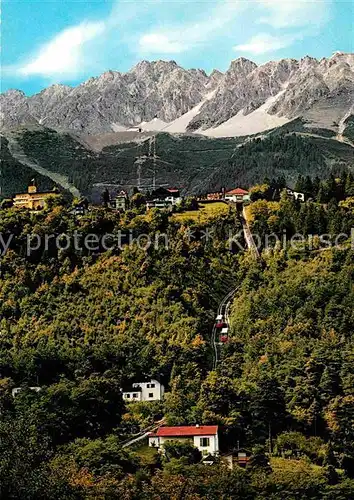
x=203 y=437
x=237 y=195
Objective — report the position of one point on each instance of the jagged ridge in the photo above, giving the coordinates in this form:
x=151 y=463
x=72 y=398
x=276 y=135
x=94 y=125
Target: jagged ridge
x=161 y=89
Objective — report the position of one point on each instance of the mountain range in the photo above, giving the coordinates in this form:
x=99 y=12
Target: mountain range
x=160 y=124
x=161 y=95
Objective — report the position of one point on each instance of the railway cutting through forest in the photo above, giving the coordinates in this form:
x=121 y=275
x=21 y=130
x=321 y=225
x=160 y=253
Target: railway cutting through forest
x=221 y=327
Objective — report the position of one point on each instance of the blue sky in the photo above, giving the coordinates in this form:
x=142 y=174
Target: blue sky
x=61 y=41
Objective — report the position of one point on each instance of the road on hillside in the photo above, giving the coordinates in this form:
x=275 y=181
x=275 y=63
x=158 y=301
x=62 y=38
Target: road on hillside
x=17 y=152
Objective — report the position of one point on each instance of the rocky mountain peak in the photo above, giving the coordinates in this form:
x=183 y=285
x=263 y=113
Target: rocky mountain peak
x=214 y=79
x=159 y=66
x=198 y=72
x=109 y=75
x=14 y=93
x=168 y=91
x=216 y=73
x=308 y=60
x=56 y=88
x=242 y=65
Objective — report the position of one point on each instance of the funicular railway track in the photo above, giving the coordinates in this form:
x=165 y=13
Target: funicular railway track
x=221 y=325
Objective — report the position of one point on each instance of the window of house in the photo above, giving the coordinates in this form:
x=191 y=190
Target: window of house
x=135 y=395
x=152 y=386
x=127 y=396
x=151 y=394
x=204 y=442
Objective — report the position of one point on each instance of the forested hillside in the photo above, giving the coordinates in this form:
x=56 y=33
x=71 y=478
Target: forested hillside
x=182 y=161
x=292 y=324
x=349 y=128
x=287 y=155
x=193 y=163
x=326 y=219
x=81 y=323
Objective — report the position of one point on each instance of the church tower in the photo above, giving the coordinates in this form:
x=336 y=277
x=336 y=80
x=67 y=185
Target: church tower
x=32 y=187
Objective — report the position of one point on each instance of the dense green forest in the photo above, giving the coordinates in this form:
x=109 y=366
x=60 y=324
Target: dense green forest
x=349 y=128
x=327 y=215
x=80 y=323
x=183 y=160
x=194 y=163
x=284 y=155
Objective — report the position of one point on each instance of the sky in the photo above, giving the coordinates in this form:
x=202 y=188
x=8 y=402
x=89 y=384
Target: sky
x=68 y=41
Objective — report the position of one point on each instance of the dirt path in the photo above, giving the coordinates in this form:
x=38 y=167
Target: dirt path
x=17 y=152
x=338 y=137
x=341 y=127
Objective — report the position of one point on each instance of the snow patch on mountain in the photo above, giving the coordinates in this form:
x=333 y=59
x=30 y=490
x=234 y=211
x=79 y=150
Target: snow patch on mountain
x=253 y=123
x=179 y=126
x=155 y=125
x=117 y=127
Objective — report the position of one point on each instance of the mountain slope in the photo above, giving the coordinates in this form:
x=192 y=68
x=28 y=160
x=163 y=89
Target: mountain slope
x=320 y=91
x=161 y=89
x=19 y=155
x=194 y=163
x=307 y=85
x=15 y=176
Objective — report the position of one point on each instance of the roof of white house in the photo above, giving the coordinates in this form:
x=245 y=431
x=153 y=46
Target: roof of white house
x=186 y=430
x=237 y=191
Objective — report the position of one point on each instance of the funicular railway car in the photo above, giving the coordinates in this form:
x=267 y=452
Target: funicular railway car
x=219 y=322
x=224 y=336
x=222 y=329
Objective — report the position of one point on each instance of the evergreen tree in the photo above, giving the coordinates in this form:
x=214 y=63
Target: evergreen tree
x=106 y=197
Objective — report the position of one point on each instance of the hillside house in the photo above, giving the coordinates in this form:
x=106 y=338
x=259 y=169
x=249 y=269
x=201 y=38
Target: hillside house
x=237 y=458
x=237 y=195
x=295 y=194
x=203 y=437
x=144 y=391
x=159 y=203
x=214 y=196
x=80 y=208
x=32 y=200
x=164 y=198
x=16 y=390
x=162 y=193
x=120 y=202
x=173 y=193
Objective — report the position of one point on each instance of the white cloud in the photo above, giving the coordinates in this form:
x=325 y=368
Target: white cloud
x=179 y=38
x=284 y=16
x=264 y=42
x=61 y=56
x=294 y=13
x=87 y=47
x=159 y=43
